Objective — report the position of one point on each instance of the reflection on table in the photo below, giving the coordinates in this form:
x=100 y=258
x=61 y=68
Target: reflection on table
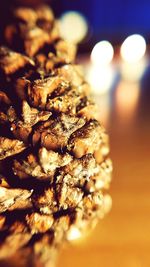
x=123 y=237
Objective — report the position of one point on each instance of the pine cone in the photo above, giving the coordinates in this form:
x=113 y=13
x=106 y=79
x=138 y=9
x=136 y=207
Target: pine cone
x=54 y=165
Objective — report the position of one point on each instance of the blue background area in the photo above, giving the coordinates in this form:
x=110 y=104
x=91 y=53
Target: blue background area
x=113 y=19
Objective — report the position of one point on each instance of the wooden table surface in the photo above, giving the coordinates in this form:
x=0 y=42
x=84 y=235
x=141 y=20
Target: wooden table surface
x=122 y=238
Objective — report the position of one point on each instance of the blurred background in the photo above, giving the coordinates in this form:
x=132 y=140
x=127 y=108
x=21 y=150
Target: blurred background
x=110 y=19
x=113 y=38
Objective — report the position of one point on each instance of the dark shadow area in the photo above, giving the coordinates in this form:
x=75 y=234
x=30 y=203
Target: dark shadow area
x=144 y=101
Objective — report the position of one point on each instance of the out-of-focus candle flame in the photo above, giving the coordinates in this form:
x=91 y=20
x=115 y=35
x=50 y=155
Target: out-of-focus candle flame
x=133 y=72
x=102 y=53
x=104 y=103
x=74 y=234
x=100 y=74
x=73 y=26
x=133 y=48
x=127 y=96
x=100 y=79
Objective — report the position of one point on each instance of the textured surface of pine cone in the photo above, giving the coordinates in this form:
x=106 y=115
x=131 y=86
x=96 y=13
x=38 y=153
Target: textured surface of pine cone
x=54 y=164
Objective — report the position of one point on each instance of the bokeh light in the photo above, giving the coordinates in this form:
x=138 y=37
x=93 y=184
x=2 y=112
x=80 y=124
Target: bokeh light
x=73 y=26
x=102 y=53
x=73 y=234
x=127 y=97
x=100 y=74
x=100 y=79
x=133 y=48
x=103 y=101
x=133 y=72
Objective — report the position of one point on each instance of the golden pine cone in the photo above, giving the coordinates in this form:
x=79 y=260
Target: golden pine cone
x=54 y=165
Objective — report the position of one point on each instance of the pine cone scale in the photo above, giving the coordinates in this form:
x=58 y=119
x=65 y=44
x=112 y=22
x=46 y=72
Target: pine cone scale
x=54 y=163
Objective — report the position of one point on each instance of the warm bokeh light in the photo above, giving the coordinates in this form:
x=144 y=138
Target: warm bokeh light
x=100 y=74
x=107 y=203
x=74 y=234
x=102 y=53
x=73 y=26
x=104 y=103
x=133 y=48
x=126 y=100
x=133 y=72
x=100 y=78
